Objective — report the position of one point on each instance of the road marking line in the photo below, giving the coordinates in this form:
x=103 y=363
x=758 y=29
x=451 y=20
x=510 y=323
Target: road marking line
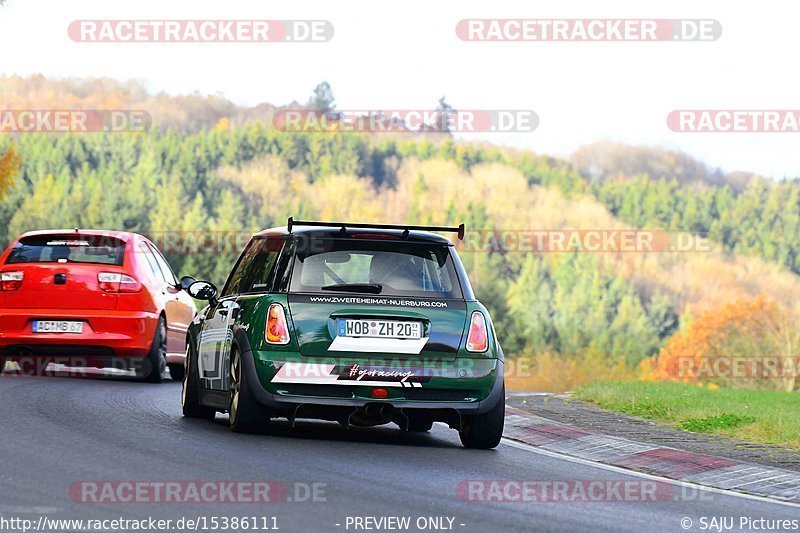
x=620 y=470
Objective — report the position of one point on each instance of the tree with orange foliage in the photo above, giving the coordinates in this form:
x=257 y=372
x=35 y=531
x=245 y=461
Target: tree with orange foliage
x=749 y=343
x=9 y=165
x=223 y=124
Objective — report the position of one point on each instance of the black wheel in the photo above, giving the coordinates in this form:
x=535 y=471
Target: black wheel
x=419 y=423
x=154 y=367
x=177 y=371
x=246 y=414
x=190 y=395
x=484 y=431
x=2 y=364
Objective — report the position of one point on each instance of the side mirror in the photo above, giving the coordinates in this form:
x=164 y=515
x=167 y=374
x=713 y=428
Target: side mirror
x=186 y=281
x=203 y=290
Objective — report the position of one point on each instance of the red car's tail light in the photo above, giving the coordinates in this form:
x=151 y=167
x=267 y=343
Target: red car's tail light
x=277 y=328
x=477 y=339
x=11 y=281
x=116 y=282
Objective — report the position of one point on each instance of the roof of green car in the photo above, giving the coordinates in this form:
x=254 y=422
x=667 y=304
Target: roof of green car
x=336 y=232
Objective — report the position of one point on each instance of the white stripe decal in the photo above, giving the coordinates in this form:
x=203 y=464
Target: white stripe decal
x=319 y=374
x=345 y=382
x=305 y=373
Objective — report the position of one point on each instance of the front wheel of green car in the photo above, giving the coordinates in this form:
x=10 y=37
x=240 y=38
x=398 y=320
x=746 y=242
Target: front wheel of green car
x=484 y=431
x=246 y=414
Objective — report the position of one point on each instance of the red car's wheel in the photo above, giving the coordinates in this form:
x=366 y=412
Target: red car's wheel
x=177 y=371
x=154 y=367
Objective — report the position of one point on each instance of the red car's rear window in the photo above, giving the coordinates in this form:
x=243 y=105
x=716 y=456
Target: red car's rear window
x=97 y=249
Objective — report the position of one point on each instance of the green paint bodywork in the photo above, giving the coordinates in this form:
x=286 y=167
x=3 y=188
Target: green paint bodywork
x=312 y=328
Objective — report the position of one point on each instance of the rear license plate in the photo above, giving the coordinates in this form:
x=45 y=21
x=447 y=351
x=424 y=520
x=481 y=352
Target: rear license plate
x=388 y=329
x=57 y=326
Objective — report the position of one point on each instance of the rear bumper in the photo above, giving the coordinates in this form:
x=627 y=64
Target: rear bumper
x=106 y=334
x=456 y=388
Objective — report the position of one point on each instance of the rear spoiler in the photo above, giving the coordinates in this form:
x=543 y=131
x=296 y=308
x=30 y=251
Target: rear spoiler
x=344 y=225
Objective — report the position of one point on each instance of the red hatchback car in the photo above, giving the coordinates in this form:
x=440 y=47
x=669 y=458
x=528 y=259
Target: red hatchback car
x=93 y=298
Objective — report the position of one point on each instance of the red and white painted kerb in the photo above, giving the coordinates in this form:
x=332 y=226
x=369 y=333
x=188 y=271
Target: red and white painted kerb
x=718 y=472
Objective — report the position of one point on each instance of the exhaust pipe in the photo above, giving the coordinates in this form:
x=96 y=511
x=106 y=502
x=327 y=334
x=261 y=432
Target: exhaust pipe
x=372 y=414
x=372 y=410
x=386 y=411
x=24 y=351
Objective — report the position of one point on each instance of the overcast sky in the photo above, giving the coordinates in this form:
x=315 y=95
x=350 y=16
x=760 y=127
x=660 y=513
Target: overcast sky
x=405 y=55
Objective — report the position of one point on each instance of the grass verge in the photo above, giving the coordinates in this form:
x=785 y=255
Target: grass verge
x=769 y=417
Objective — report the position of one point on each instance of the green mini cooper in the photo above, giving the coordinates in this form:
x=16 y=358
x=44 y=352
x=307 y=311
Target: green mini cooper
x=356 y=323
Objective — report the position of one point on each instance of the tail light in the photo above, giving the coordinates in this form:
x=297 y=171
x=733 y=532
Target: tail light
x=477 y=338
x=116 y=282
x=277 y=329
x=11 y=281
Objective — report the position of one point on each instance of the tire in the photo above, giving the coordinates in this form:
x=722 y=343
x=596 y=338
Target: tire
x=484 y=431
x=419 y=423
x=190 y=394
x=154 y=366
x=246 y=414
x=2 y=364
x=177 y=371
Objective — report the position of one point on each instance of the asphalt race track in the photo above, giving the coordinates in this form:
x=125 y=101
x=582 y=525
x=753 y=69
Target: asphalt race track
x=58 y=431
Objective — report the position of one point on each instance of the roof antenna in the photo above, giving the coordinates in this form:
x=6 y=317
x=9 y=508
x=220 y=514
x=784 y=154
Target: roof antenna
x=289 y=224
